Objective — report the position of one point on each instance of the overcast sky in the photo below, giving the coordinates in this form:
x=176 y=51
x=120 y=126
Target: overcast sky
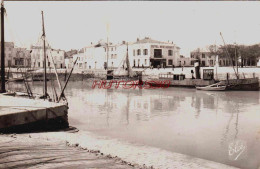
x=73 y=25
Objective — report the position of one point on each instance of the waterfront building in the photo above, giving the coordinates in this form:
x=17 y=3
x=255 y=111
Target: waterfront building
x=37 y=57
x=207 y=58
x=16 y=57
x=142 y=54
x=185 y=61
x=101 y=55
x=148 y=52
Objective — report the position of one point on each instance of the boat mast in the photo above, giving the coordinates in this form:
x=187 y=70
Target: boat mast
x=107 y=53
x=229 y=56
x=107 y=45
x=2 y=50
x=236 y=57
x=127 y=61
x=216 y=64
x=44 y=60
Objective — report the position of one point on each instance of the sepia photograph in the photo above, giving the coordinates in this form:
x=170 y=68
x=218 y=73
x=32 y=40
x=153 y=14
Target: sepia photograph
x=129 y=84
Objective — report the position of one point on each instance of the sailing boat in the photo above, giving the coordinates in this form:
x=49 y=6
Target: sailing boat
x=239 y=84
x=246 y=84
x=124 y=70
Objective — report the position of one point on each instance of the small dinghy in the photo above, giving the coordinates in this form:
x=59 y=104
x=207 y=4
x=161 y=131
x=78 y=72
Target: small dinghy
x=214 y=87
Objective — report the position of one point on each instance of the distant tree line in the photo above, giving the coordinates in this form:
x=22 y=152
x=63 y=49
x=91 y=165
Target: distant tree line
x=246 y=55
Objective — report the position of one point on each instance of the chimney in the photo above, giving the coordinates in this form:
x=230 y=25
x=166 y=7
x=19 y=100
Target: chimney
x=123 y=42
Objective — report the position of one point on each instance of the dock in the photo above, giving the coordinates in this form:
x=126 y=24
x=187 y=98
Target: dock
x=19 y=113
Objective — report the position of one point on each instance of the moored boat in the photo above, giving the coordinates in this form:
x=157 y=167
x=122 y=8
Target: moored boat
x=214 y=87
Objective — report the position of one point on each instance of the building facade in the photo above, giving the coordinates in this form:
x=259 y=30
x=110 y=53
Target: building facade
x=101 y=56
x=16 y=57
x=148 y=52
x=141 y=54
x=37 y=57
x=207 y=59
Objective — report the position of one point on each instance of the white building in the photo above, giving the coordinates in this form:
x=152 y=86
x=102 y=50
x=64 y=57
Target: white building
x=142 y=53
x=148 y=52
x=95 y=56
x=37 y=57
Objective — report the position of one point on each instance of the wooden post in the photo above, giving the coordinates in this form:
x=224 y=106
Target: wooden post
x=227 y=78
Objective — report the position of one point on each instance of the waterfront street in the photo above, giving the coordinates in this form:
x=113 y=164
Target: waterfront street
x=133 y=124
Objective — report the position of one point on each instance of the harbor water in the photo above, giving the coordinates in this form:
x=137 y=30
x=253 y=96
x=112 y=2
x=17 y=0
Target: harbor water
x=150 y=124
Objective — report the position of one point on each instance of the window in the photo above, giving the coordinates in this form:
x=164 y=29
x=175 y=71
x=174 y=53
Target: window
x=49 y=64
x=115 y=56
x=145 y=61
x=169 y=62
x=133 y=52
x=169 y=52
x=211 y=62
x=9 y=63
x=112 y=56
x=145 y=51
x=203 y=55
x=158 y=53
x=111 y=49
x=139 y=52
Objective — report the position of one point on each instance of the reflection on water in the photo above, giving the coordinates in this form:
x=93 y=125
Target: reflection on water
x=197 y=123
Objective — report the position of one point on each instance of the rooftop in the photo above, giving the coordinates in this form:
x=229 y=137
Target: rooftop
x=149 y=40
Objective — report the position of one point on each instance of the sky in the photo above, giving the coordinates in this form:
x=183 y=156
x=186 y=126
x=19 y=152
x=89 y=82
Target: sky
x=190 y=24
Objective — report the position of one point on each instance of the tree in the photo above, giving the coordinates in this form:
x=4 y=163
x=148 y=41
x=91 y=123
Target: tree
x=248 y=54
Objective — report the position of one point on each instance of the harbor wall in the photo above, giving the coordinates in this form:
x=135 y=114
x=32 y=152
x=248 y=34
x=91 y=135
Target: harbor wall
x=220 y=73
x=18 y=113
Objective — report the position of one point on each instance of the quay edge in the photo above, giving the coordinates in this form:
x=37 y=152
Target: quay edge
x=19 y=114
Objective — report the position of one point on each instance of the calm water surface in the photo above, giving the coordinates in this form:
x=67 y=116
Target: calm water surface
x=197 y=123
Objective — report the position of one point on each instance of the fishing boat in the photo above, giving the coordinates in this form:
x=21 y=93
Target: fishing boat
x=124 y=72
x=213 y=87
x=245 y=84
